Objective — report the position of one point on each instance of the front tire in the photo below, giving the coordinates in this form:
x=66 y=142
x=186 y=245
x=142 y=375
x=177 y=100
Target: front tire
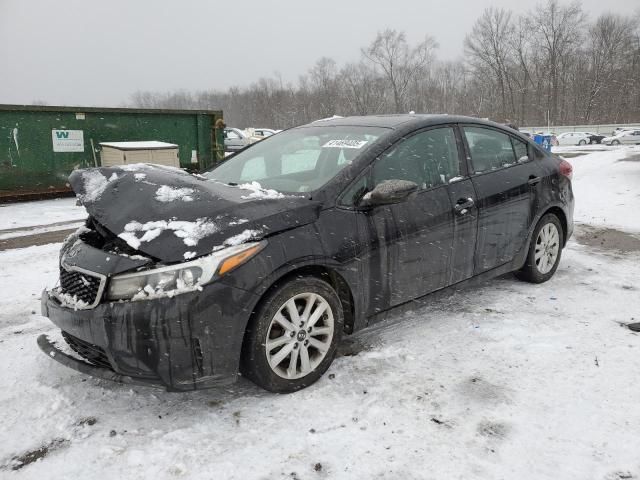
x=293 y=336
x=545 y=251
x=615 y=142
x=582 y=142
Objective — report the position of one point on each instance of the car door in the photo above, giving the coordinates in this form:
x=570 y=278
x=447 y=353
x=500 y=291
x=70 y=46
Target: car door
x=629 y=137
x=507 y=184
x=411 y=242
x=233 y=140
x=565 y=139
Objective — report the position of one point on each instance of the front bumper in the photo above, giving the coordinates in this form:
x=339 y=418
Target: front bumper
x=188 y=342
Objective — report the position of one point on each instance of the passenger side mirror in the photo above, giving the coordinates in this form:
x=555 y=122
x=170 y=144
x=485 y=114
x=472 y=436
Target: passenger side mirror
x=389 y=191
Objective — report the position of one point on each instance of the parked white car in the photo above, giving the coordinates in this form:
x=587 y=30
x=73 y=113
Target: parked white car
x=574 y=138
x=625 y=137
x=235 y=139
x=264 y=132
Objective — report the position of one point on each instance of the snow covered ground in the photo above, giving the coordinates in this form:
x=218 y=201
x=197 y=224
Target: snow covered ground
x=508 y=380
x=30 y=214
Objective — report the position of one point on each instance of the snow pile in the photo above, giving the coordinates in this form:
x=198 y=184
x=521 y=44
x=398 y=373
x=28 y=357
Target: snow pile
x=190 y=232
x=68 y=300
x=605 y=184
x=258 y=192
x=141 y=167
x=189 y=255
x=242 y=237
x=139 y=176
x=95 y=183
x=149 y=292
x=240 y=221
x=170 y=194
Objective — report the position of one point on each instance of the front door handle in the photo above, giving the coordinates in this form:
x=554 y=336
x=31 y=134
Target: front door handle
x=533 y=180
x=463 y=205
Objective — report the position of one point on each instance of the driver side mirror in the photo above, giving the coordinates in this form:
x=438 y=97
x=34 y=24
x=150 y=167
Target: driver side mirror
x=389 y=191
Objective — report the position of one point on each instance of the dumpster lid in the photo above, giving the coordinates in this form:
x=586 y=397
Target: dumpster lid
x=146 y=145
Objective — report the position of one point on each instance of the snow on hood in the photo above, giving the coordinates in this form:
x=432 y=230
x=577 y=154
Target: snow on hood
x=169 y=194
x=94 y=184
x=171 y=215
x=258 y=192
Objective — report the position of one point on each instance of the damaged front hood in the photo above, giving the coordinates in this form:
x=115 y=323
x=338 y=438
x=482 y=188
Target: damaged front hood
x=172 y=215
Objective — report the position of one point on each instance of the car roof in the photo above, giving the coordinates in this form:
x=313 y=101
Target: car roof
x=401 y=120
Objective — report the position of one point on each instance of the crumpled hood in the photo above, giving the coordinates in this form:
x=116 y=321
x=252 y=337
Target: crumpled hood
x=174 y=216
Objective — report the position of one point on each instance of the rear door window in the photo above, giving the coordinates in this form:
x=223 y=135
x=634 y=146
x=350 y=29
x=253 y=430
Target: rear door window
x=490 y=150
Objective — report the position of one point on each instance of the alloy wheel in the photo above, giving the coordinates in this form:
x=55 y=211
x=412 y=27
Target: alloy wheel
x=547 y=248
x=299 y=335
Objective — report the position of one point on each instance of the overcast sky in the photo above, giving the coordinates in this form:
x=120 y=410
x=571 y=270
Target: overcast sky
x=83 y=52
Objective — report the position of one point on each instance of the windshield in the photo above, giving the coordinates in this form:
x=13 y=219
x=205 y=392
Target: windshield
x=298 y=160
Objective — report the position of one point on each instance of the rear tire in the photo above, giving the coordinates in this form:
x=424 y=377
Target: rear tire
x=615 y=142
x=582 y=142
x=293 y=336
x=545 y=251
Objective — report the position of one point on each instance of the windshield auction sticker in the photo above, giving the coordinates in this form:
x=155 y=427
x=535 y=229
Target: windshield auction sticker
x=345 y=144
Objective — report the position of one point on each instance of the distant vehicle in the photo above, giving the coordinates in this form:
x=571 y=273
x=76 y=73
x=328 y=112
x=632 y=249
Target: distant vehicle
x=263 y=132
x=624 y=137
x=574 y=138
x=235 y=139
x=622 y=129
x=595 y=138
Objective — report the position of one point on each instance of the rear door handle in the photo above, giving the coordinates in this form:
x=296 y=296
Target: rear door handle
x=533 y=180
x=463 y=205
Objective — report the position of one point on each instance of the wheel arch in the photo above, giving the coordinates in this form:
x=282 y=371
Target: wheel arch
x=323 y=272
x=558 y=212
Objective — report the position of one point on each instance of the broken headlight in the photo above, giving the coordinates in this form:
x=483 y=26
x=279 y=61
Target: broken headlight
x=180 y=278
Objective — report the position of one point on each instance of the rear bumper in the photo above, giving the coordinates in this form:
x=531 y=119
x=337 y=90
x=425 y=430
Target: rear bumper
x=189 y=342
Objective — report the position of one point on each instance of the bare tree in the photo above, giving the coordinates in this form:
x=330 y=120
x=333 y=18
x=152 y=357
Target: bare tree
x=399 y=62
x=557 y=34
x=609 y=47
x=364 y=91
x=323 y=78
x=489 y=45
x=515 y=69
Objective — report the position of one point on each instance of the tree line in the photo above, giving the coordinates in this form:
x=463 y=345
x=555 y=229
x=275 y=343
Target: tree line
x=553 y=64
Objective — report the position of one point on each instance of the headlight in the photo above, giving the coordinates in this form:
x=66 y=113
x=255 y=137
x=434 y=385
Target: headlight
x=183 y=277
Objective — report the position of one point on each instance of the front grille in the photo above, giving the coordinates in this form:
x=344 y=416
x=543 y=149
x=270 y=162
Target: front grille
x=92 y=353
x=80 y=285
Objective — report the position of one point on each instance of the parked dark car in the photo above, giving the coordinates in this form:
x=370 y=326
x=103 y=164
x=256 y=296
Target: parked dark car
x=595 y=138
x=261 y=264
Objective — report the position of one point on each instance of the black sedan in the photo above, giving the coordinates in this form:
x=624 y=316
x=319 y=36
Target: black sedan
x=261 y=264
x=595 y=138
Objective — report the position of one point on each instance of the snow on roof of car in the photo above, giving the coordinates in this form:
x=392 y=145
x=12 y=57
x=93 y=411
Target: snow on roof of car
x=396 y=120
x=146 y=145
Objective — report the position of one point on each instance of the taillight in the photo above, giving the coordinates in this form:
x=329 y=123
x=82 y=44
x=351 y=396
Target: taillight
x=566 y=169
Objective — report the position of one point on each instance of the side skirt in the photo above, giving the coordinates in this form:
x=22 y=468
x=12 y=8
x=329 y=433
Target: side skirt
x=443 y=292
